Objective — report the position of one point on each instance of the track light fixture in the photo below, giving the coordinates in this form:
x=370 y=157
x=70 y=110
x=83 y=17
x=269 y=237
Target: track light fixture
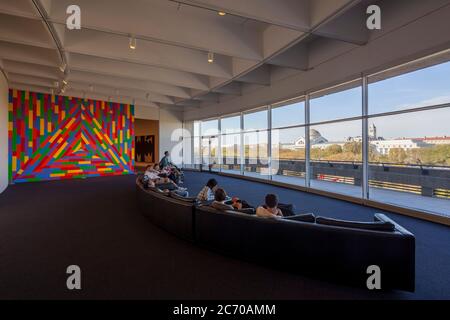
x=62 y=67
x=210 y=57
x=132 y=43
x=221 y=13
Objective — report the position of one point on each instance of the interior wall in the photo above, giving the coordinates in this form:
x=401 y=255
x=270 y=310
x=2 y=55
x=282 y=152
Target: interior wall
x=170 y=133
x=144 y=127
x=3 y=132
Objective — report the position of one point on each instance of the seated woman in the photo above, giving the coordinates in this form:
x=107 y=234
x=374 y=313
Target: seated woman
x=207 y=193
x=165 y=184
x=270 y=208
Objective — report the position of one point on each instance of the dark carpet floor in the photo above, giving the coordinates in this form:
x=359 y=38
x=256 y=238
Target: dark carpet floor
x=94 y=223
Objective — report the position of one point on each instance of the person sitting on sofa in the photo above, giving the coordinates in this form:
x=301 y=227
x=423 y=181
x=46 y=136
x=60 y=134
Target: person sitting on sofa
x=207 y=193
x=220 y=196
x=164 y=183
x=270 y=208
x=151 y=173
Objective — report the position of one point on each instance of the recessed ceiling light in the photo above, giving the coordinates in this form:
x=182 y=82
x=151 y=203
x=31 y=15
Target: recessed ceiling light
x=132 y=43
x=221 y=13
x=210 y=57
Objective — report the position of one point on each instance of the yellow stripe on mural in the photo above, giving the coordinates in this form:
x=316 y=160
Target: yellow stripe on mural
x=49 y=127
x=57 y=175
x=91 y=107
x=10 y=107
x=108 y=139
x=104 y=169
x=55 y=135
x=126 y=148
x=98 y=134
x=84 y=162
x=60 y=140
x=121 y=136
x=84 y=139
x=123 y=160
x=53 y=98
x=114 y=156
x=42 y=127
x=132 y=153
x=14 y=162
x=60 y=150
x=30 y=144
x=114 y=127
x=69 y=124
x=30 y=119
x=56 y=109
x=123 y=121
x=25 y=159
x=63 y=114
x=10 y=126
x=97 y=124
x=109 y=164
x=20 y=171
x=27 y=95
x=14 y=93
x=38 y=108
x=128 y=133
x=74 y=171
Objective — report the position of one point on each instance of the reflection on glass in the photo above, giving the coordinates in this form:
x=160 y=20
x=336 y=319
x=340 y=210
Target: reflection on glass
x=288 y=155
x=256 y=154
x=336 y=156
x=230 y=125
x=231 y=153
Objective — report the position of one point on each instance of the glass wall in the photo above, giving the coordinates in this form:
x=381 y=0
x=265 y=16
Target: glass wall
x=255 y=139
x=335 y=140
x=384 y=137
x=231 y=144
x=409 y=138
x=210 y=145
x=288 y=142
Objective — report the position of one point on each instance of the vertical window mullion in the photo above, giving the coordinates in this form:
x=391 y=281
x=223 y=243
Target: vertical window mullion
x=242 y=158
x=307 y=143
x=269 y=140
x=365 y=138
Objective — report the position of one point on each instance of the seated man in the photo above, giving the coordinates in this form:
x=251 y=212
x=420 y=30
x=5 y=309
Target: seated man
x=207 y=193
x=220 y=197
x=270 y=208
x=165 y=184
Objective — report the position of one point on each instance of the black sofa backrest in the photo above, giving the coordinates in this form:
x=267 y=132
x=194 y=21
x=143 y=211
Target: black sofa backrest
x=331 y=252
x=172 y=214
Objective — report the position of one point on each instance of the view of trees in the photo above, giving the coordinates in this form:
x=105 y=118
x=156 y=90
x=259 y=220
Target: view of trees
x=438 y=155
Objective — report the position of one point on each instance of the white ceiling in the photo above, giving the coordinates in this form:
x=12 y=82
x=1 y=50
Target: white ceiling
x=169 y=65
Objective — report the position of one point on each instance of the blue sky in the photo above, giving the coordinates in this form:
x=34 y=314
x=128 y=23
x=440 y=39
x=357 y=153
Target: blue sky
x=429 y=86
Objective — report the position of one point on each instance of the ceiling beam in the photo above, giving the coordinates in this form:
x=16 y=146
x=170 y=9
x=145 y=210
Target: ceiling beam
x=296 y=57
x=260 y=76
x=113 y=67
x=169 y=23
x=121 y=82
x=292 y=14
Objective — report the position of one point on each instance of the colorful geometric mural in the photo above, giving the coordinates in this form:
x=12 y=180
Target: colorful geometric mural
x=58 y=137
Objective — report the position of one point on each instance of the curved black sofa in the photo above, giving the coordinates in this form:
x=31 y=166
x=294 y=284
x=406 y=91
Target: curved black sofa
x=325 y=248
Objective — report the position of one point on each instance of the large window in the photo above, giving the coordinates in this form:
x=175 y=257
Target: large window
x=336 y=146
x=256 y=151
x=210 y=145
x=395 y=149
x=409 y=148
x=288 y=143
x=231 y=144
